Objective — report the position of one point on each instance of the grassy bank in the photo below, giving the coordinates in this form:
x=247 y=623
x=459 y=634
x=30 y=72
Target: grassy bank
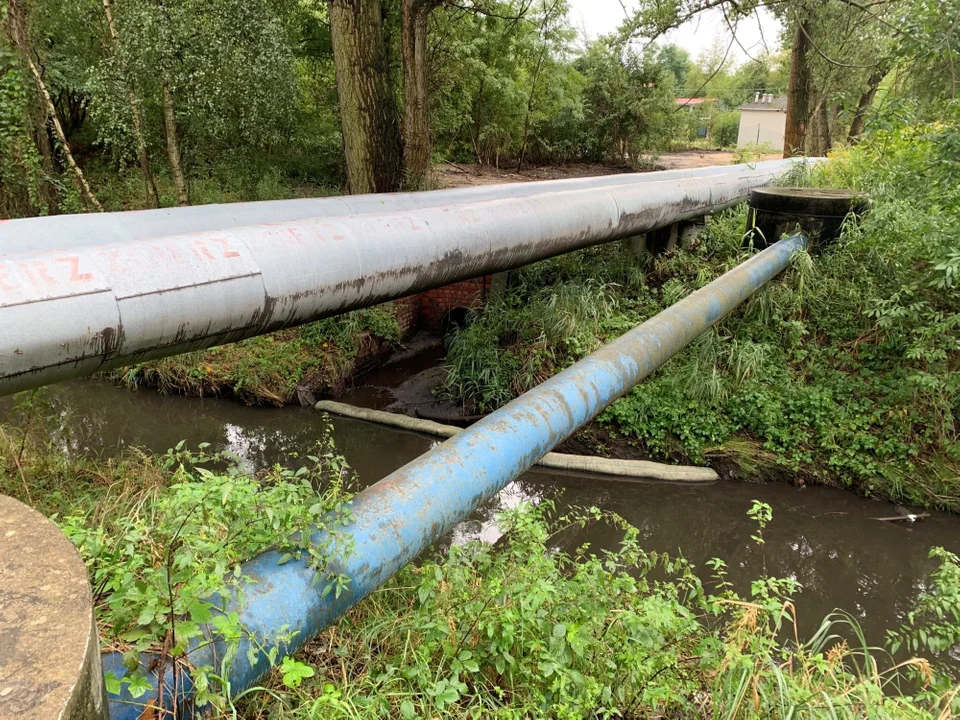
x=321 y=357
x=530 y=627
x=844 y=371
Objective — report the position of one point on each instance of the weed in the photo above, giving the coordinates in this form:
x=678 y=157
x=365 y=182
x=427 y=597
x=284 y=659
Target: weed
x=845 y=370
x=269 y=369
x=529 y=627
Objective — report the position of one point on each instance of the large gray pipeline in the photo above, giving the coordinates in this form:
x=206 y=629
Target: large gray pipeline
x=70 y=313
x=63 y=231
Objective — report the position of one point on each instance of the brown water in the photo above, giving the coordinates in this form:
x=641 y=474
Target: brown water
x=826 y=539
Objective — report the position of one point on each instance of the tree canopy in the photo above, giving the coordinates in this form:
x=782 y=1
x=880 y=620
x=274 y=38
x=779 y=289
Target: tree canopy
x=224 y=99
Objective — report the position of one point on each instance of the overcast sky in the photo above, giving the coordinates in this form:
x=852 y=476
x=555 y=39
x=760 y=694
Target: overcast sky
x=597 y=17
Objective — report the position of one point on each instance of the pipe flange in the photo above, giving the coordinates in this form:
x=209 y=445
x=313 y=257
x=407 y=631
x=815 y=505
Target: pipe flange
x=817 y=212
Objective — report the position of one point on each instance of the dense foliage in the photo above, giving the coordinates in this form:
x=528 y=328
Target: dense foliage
x=240 y=97
x=272 y=369
x=531 y=626
x=184 y=101
x=844 y=371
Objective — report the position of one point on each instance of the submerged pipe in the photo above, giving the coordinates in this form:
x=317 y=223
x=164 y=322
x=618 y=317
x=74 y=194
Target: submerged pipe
x=72 y=312
x=62 y=231
x=395 y=520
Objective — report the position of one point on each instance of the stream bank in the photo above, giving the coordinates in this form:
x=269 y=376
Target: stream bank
x=828 y=540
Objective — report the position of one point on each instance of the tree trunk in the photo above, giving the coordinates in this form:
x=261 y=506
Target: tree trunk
x=526 y=119
x=536 y=76
x=818 y=133
x=798 y=94
x=824 y=141
x=173 y=147
x=150 y=185
x=478 y=122
x=866 y=100
x=416 y=120
x=368 y=118
x=835 y=111
x=46 y=189
x=16 y=20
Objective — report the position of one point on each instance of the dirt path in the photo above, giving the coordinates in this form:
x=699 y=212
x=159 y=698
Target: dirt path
x=453 y=175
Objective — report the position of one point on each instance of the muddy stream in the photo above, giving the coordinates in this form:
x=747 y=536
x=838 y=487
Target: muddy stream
x=827 y=539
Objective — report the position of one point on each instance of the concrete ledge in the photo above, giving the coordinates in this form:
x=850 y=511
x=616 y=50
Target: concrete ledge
x=49 y=650
x=643 y=469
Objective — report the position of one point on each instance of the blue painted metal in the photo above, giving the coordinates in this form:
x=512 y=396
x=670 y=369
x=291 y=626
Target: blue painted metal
x=398 y=518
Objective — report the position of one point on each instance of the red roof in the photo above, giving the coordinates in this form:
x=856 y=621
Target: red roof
x=692 y=101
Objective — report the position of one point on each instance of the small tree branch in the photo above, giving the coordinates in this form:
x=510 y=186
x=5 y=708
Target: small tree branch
x=477 y=10
x=712 y=76
x=836 y=63
x=58 y=129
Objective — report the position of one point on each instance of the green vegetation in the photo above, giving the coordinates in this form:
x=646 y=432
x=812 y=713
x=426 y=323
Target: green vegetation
x=844 y=371
x=164 y=536
x=110 y=105
x=199 y=102
x=268 y=370
x=531 y=626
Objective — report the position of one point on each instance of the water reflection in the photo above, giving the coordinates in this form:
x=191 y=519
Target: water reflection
x=828 y=540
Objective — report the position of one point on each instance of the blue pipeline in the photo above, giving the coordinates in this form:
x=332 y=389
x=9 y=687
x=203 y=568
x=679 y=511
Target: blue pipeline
x=395 y=520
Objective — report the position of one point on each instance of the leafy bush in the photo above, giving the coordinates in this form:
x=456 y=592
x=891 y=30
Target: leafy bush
x=519 y=346
x=529 y=627
x=161 y=573
x=725 y=128
x=164 y=536
x=845 y=370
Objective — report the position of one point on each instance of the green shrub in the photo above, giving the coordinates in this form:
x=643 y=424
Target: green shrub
x=530 y=628
x=845 y=370
x=725 y=128
x=161 y=571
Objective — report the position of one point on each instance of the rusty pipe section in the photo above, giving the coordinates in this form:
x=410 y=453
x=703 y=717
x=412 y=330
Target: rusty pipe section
x=392 y=522
x=72 y=312
x=57 y=232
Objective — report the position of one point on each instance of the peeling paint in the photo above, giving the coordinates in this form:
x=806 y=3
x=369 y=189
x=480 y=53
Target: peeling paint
x=395 y=520
x=198 y=289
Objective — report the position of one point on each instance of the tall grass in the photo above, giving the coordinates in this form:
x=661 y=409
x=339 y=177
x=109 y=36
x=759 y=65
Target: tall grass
x=845 y=370
x=269 y=369
x=530 y=627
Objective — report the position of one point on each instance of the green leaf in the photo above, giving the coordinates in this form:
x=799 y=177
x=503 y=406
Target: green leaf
x=294 y=672
x=199 y=611
x=139 y=685
x=112 y=683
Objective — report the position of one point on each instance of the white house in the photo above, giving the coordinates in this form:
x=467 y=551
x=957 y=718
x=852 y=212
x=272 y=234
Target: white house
x=763 y=121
